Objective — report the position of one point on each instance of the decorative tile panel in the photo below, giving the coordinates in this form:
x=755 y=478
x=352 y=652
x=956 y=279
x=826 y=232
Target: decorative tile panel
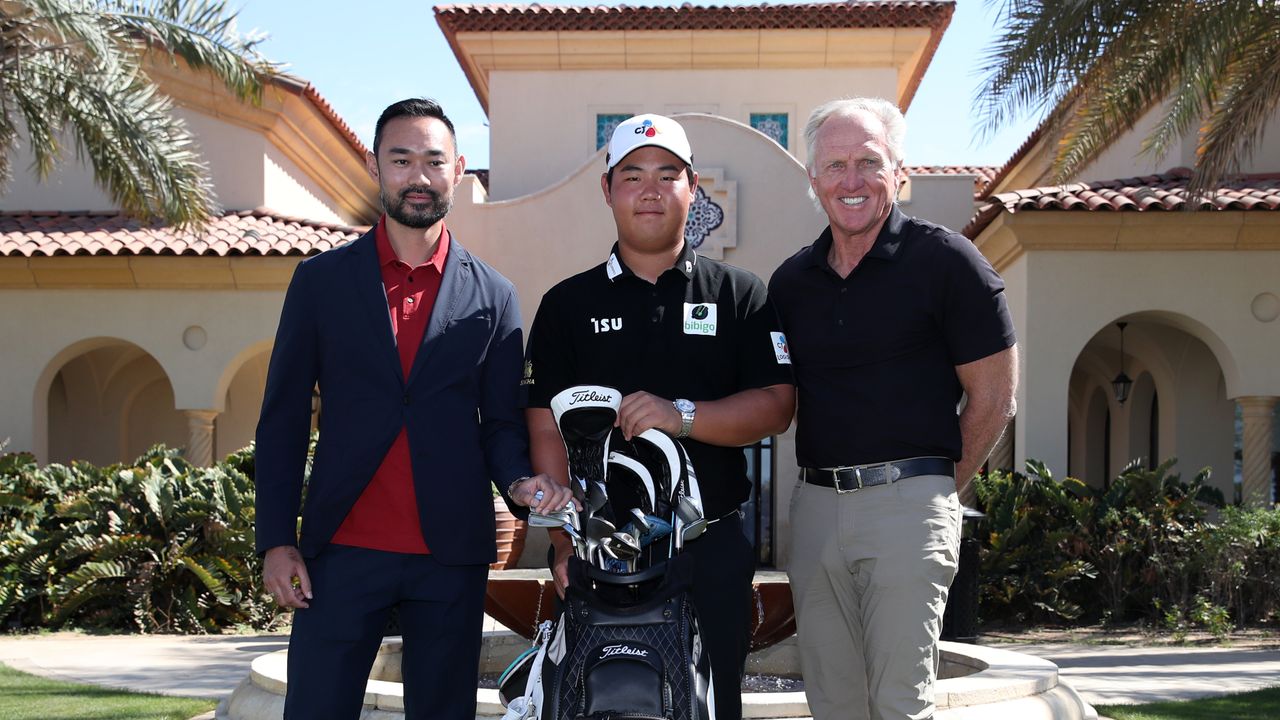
x=773 y=125
x=605 y=124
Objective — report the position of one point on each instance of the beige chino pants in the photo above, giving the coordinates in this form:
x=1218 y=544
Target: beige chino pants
x=869 y=575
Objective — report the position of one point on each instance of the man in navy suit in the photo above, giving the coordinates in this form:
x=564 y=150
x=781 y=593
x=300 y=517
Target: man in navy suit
x=416 y=348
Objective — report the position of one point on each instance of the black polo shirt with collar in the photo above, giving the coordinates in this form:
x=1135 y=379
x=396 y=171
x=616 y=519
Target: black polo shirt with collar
x=875 y=353
x=705 y=330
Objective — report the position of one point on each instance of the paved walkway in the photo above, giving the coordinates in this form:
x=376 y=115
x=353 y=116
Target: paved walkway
x=212 y=666
x=1126 y=675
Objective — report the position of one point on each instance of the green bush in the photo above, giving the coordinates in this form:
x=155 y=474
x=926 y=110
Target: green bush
x=1242 y=567
x=1142 y=548
x=1030 y=554
x=155 y=546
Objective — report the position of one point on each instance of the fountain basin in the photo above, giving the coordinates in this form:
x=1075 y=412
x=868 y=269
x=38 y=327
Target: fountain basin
x=520 y=599
x=975 y=683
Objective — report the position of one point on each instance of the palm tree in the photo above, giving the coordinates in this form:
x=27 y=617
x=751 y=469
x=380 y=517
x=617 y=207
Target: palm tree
x=75 y=69
x=1094 y=67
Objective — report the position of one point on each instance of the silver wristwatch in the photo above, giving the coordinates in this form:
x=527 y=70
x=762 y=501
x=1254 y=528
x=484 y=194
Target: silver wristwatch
x=686 y=408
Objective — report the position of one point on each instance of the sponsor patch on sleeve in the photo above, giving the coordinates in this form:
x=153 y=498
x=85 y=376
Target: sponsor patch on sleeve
x=780 y=349
x=527 y=379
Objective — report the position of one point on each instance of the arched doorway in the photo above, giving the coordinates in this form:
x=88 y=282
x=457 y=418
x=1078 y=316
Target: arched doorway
x=236 y=423
x=1097 y=440
x=109 y=404
x=1144 y=421
x=1176 y=408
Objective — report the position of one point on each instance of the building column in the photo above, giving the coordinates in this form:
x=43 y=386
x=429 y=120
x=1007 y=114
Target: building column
x=1258 y=414
x=200 y=436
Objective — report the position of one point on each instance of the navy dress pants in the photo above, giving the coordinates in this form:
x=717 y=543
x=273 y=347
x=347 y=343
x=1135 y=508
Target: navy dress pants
x=334 y=641
x=724 y=565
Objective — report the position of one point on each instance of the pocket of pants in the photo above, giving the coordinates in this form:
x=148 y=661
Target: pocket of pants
x=933 y=491
x=795 y=494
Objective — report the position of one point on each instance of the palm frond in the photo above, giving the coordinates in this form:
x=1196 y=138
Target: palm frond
x=1094 y=68
x=204 y=35
x=1238 y=122
x=1209 y=41
x=1116 y=94
x=1046 y=48
x=75 y=67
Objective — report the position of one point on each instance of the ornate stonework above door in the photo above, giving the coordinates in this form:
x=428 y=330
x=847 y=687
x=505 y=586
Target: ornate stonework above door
x=713 y=218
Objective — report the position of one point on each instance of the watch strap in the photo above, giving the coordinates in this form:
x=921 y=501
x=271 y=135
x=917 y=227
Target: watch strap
x=686 y=422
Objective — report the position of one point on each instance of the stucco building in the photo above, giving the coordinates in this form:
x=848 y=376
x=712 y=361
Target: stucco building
x=121 y=334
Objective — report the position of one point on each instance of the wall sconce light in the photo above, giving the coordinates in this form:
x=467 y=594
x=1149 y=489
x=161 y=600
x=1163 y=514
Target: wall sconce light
x=1122 y=384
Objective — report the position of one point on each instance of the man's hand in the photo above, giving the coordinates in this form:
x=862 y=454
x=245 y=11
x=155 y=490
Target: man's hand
x=285 y=576
x=554 y=495
x=560 y=565
x=640 y=411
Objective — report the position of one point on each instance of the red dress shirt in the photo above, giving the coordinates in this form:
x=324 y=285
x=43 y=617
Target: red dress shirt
x=386 y=515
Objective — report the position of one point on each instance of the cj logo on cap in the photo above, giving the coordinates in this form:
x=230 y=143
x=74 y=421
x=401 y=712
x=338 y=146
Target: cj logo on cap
x=646 y=129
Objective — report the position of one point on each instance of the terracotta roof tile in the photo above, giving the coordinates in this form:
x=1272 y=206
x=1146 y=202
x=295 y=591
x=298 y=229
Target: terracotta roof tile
x=766 y=16
x=1151 y=193
x=983 y=173
x=249 y=232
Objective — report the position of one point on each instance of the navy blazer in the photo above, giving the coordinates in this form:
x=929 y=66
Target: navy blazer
x=459 y=404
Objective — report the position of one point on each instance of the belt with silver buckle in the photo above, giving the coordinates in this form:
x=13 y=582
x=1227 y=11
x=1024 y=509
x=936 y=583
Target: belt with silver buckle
x=851 y=478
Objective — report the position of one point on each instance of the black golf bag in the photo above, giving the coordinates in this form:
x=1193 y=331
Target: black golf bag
x=628 y=648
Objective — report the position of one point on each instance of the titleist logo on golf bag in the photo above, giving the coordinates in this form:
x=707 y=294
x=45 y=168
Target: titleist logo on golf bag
x=610 y=650
x=588 y=396
x=628 y=646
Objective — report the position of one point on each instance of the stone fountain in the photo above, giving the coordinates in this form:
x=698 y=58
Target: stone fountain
x=974 y=682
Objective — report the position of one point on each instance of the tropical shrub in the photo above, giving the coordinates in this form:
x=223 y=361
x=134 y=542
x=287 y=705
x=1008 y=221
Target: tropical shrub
x=1030 y=555
x=154 y=546
x=1141 y=548
x=1242 y=564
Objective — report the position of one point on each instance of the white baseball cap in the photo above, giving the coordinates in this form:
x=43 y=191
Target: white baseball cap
x=645 y=130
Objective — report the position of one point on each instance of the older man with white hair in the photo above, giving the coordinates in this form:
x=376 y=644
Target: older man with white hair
x=890 y=321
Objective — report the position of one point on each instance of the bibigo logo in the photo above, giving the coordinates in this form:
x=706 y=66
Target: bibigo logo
x=699 y=319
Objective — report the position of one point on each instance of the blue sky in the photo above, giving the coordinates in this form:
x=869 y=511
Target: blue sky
x=361 y=57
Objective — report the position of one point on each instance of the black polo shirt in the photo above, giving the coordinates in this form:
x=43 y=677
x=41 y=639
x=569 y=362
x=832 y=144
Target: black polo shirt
x=705 y=330
x=875 y=353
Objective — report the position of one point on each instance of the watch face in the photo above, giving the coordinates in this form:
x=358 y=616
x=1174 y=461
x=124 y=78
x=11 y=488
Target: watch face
x=684 y=406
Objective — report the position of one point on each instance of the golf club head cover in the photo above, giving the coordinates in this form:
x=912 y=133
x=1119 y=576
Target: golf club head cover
x=690 y=486
x=661 y=453
x=630 y=485
x=584 y=415
x=670 y=470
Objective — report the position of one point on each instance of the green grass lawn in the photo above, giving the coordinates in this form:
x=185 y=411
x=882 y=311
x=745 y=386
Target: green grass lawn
x=1256 y=705
x=27 y=697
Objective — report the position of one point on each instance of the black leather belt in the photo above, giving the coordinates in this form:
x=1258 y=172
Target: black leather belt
x=855 y=477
